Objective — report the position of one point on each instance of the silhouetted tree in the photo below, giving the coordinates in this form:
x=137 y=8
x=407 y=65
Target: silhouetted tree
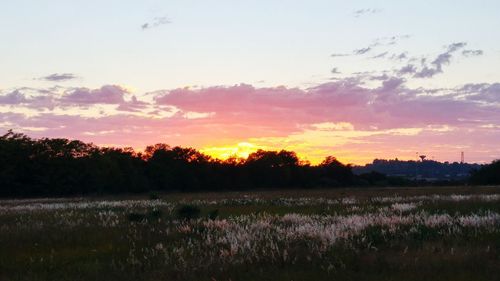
x=60 y=167
x=334 y=173
x=488 y=174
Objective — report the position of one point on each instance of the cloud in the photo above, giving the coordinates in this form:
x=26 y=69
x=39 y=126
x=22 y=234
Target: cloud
x=12 y=98
x=441 y=59
x=59 y=77
x=357 y=115
x=484 y=93
x=335 y=70
x=156 y=22
x=108 y=94
x=66 y=98
x=389 y=41
x=27 y=97
x=361 y=12
x=472 y=53
x=379 y=56
x=391 y=105
x=411 y=66
x=378 y=42
x=341 y=113
x=400 y=56
x=407 y=69
x=362 y=51
x=133 y=105
x=427 y=70
x=339 y=55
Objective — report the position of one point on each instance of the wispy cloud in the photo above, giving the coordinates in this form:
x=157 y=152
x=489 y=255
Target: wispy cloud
x=378 y=42
x=400 y=56
x=472 y=53
x=389 y=41
x=426 y=69
x=59 y=77
x=381 y=55
x=437 y=64
x=362 y=51
x=361 y=12
x=156 y=22
x=339 y=55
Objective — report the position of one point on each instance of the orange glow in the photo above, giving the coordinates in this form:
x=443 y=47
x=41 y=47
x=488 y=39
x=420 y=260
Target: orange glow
x=240 y=150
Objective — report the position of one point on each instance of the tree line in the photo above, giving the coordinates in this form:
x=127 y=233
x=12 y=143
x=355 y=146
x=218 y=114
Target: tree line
x=428 y=169
x=62 y=167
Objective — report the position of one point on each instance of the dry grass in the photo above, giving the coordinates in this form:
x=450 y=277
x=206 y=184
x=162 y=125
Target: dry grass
x=344 y=234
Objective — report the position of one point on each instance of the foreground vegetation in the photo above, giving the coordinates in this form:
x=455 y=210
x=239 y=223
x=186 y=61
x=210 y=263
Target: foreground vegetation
x=361 y=234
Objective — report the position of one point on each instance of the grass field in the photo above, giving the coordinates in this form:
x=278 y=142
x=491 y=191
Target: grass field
x=340 y=234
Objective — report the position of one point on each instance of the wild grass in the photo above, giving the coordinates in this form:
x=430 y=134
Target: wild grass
x=363 y=234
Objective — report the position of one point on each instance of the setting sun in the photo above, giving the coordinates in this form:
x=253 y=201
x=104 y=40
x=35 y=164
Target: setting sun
x=241 y=150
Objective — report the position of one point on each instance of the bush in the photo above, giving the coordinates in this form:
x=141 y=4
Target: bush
x=136 y=217
x=213 y=214
x=156 y=214
x=188 y=212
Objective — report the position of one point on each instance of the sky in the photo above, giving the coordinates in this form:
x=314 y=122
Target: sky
x=358 y=80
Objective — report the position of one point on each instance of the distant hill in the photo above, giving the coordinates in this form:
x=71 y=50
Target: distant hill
x=426 y=170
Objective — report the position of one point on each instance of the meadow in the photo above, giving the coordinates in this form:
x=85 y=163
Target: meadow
x=448 y=233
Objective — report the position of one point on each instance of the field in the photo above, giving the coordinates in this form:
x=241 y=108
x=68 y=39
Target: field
x=340 y=234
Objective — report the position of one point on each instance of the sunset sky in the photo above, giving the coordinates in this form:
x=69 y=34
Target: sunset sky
x=354 y=79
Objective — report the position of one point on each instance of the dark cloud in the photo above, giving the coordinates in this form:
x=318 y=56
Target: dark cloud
x=56 y=77
x=156 y=22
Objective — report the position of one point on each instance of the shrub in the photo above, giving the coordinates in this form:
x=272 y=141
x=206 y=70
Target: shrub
x=156 y=214
x=188 y=212
x=136 y=217
x=213 y=214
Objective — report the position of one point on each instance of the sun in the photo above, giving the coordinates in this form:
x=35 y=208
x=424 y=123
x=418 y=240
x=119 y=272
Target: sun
x=240 y=150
